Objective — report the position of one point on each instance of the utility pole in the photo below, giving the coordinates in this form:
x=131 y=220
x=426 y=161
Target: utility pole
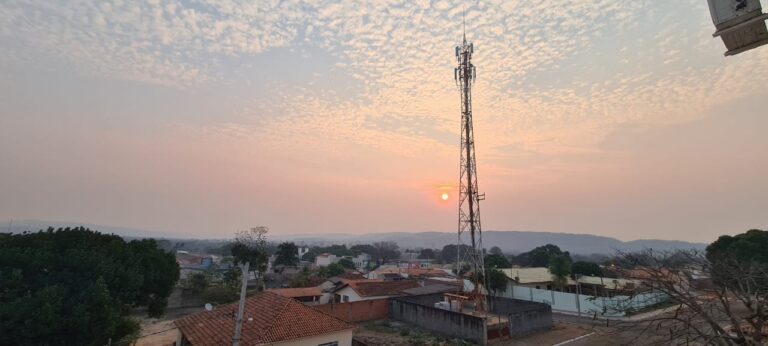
x=241 y=305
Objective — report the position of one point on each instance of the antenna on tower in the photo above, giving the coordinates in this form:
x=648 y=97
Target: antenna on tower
x=464 y=21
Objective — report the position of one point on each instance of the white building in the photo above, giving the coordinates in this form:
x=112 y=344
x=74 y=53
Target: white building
x=362 y=260
x=325 y=259
x=301 y=251
x=353 y=291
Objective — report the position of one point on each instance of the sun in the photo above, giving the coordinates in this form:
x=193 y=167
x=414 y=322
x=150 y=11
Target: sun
x=444 y=196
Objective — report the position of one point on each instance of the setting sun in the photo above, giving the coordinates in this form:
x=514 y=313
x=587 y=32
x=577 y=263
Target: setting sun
x=444 y=196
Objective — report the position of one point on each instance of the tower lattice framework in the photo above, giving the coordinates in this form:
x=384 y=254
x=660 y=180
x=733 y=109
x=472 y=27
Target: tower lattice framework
x=470 y=236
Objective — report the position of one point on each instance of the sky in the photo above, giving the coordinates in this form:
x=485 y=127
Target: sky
x=202 y=117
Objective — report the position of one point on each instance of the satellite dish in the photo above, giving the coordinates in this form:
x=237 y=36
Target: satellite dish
x=208 y=307
x=740 y=24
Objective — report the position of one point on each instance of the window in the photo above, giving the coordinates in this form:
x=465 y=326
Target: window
x=345 y=298
x=332 y=343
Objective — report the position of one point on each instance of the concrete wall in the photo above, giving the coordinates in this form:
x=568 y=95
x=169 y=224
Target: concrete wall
x=365 y=310
x=413 y=310
x=524 y=317
x=344 y=338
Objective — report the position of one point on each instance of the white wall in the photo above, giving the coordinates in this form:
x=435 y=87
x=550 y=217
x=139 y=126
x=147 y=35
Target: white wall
x=323 y=261
x=588 y=305
x=353 y=296
x=344 y=338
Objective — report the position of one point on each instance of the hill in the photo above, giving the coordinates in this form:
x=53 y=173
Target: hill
x=508 y=241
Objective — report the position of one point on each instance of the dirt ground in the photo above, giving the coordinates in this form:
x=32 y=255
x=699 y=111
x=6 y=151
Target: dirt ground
x=391 y=333
x=560 y=332
x=157 y=333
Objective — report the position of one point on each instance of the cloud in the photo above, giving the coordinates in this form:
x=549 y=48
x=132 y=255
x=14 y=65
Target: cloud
x=554 y=78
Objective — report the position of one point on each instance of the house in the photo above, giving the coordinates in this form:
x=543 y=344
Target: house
x=391 y=276
x=325 y=259
x=268 y=319
x=362 y=260
x=334 y=282
x=541 y=278
x=306 y=295
x=353 y=291
x=538 y=277
x=416 y=272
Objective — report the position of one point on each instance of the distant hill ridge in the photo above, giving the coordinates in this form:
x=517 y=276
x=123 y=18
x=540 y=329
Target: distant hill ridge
x=508 y=241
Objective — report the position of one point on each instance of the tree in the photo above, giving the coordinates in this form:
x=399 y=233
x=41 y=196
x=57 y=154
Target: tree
x=309 y=256
x=220 y=294
x=364 y=248
x=347 y=263
x=287 y=254
x=586 y=268
x=448 y=254
x=497 y=261
x=497 y=281
x=496 y=251
x=231 y=278
x=198 y=282
x=251 y=247
x=560 y=268
x=539 y=257
x=427 y=254
x=250 y=253
x=332 y=269
x=74 y=286
x=386 y=250
x=733 y=310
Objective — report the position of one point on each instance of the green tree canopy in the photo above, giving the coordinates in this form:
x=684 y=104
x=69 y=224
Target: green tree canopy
x=363 y=248
x=496 y=251
x=741 y=256
x=586 y=268
x=331 y=270
x=497 y=261
x=497 y=281
x=74 y=286
x=427 y=254
x=198 y=282
x=448 y=254
x=560 y=267
x=347 y=263
x=287 y=254
x=539 y=256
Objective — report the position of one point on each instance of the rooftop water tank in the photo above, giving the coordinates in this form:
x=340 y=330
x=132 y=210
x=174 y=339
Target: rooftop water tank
x=740 y=23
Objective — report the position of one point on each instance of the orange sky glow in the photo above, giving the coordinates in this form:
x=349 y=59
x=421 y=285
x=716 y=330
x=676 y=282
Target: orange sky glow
x=203 y=118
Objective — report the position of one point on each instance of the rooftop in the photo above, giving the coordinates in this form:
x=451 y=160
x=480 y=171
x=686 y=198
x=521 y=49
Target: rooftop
x=372 y=288
x=430 y=289
x=268 y=318
x=298 y=292
x=530 y=275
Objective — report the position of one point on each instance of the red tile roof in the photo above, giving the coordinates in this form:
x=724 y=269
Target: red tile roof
x=370 y=288
x=298 y=292
x=350 y=276
x=268 y=318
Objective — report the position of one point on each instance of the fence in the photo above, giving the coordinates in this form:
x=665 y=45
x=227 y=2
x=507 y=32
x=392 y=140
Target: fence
x=616 y=306
x=415 y=310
